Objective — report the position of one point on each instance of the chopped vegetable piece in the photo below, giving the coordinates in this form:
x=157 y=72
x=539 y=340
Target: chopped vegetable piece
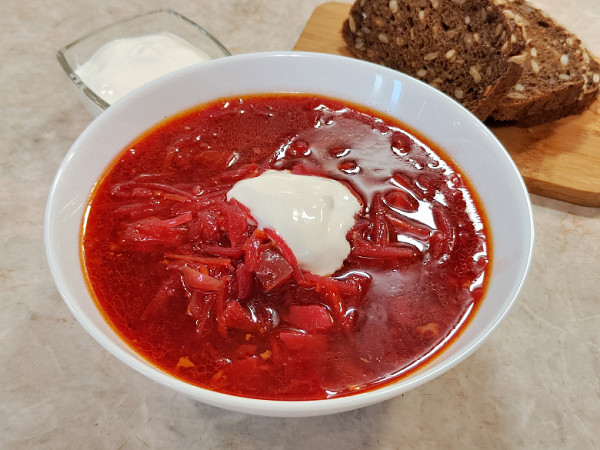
x=306 y=342
x=236 y=223
x=287 y=254
x=402 y=200
x=151 y=233
x=245 y=280
x=380 y=234
x=273 y=270
x=236 y=316
x=194 y=279
x=310 y=317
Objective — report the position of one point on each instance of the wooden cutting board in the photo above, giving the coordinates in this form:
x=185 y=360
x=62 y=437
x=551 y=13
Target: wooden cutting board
x=560 y=160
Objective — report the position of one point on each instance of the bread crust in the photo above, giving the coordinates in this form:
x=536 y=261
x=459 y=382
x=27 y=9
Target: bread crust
x=502 y=59
x=462 y=47
x=563 y=83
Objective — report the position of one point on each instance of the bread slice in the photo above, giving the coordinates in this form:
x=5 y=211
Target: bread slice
x=559 y=78
x=463 y=47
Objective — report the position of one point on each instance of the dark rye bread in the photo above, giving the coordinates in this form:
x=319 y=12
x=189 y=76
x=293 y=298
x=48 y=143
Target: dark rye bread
x=559 y=78
x=463 y=47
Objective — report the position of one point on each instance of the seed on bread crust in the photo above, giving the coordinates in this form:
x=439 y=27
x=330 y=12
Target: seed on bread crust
x=516 y=95
x=352 y=24
x=475 y=74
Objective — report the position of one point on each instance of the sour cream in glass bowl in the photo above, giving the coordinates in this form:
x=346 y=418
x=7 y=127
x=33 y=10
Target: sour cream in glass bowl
x=108 y=63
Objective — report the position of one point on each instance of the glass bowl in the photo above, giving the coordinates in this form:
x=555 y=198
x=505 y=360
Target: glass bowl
x=77 y=53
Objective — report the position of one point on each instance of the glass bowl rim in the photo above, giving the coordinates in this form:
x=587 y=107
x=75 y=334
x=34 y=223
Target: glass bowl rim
x=98 y=101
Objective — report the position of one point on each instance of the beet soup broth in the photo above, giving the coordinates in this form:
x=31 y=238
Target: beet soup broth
x=191 y=283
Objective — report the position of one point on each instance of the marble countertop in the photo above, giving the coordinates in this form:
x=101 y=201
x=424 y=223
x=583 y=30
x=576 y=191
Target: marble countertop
x=534 y=384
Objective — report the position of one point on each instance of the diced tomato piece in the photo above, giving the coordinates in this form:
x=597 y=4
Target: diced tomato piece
x=252 y=249
x=236 y=316
x=310 y=317
x=194 y=279
x=236 y=223
x=330 y=293
x=245 y=280
x=306 y=342
x=353 y=285
x=288 y=254
x=273 y=270
x=365 y=249
x=205 y=228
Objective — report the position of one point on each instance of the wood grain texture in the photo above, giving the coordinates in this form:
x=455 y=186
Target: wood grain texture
x=560 y=159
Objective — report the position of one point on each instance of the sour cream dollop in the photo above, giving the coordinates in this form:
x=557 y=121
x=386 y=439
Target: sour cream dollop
x=122 y=65
x=311 y=214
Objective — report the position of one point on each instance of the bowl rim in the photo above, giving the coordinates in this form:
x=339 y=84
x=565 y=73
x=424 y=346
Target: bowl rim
x=81 y=85
x=284 y=408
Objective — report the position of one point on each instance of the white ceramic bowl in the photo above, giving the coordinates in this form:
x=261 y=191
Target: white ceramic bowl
x=472 y=146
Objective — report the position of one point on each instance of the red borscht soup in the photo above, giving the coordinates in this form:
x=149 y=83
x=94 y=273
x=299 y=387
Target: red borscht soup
x=190 y=282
